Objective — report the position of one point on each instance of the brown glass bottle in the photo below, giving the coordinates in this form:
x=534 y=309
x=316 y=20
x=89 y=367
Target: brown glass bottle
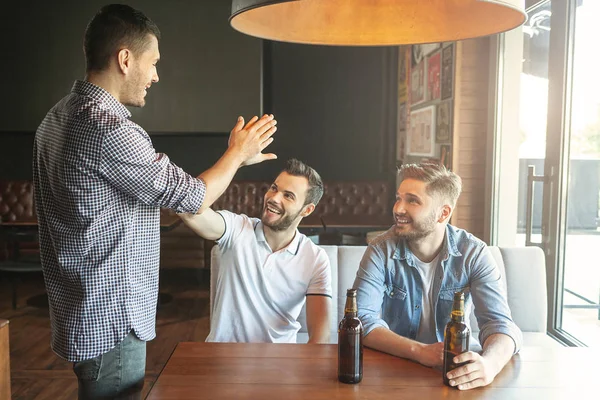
x=350 y=351
x=456 y=335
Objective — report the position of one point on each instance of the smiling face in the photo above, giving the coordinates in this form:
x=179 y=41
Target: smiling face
x=284 y=203
x=416 y=213
x=141 y=75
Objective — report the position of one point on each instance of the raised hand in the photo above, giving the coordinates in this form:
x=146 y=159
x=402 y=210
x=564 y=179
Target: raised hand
x=249 y=140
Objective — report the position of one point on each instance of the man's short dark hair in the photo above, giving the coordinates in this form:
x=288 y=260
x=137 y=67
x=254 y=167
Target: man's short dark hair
x=115 y=27
x=315 y=184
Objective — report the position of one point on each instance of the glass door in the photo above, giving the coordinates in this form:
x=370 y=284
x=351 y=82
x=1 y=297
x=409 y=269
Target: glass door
x=533 y=114
x=570 y=215
x=549 y=195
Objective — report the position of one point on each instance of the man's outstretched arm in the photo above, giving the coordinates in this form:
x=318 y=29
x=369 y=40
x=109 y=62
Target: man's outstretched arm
x=246 y=144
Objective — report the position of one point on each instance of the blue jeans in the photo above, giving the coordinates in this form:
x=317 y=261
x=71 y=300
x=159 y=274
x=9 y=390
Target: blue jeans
x=118 y=374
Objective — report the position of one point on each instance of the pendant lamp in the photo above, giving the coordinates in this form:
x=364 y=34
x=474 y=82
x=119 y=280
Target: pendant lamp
x=374 y=22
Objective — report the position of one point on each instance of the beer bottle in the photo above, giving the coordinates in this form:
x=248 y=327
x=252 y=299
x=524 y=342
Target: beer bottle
x=456 y=335
x=350 y=352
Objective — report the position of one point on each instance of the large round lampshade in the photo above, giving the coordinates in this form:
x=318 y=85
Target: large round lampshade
x=374 y=22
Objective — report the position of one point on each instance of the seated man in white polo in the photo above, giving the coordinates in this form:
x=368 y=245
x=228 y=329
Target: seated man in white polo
x=268 y=268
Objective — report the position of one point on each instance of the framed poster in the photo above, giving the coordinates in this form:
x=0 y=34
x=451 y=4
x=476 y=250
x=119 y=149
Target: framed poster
x=446 y=156
x=443 y=119
x=447 y=71
x=417 y=83
x=433 y=76
x=420 y=140
x=403 y=72
x=419 y=51
x=400 y=145
x=402 y=117
x=429 y=48
x=416 y=55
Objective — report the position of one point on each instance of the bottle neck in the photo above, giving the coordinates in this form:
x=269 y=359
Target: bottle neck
x=458 y=316
x=351 y=310
x=458 y=311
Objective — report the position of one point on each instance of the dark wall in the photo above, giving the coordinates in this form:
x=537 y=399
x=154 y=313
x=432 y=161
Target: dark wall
x=335 y=106
x=209 y=73
x=338 y=104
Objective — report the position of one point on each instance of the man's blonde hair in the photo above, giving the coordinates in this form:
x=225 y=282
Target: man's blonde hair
x=442 y=184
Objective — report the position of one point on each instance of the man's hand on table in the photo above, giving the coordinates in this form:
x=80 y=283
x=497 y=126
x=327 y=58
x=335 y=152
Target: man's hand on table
x=479 y=371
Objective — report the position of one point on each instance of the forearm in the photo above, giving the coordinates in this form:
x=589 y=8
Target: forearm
x=498 y=349
x=320 y=335
x=318 y=310
x=385 y=340
x=218 y=177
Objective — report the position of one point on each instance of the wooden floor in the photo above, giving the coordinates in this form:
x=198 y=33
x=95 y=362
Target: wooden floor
x=37 y=373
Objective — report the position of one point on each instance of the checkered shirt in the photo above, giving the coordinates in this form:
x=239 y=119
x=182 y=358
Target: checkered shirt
x=99 y=184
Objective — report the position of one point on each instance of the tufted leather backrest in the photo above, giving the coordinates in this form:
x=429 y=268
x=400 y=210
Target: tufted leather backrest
x=243 y=197
x=16 y=201
x=343 y=203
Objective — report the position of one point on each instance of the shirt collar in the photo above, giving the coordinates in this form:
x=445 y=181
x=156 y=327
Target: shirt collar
x=403 y=252
x=292 y=248
x=86 y=88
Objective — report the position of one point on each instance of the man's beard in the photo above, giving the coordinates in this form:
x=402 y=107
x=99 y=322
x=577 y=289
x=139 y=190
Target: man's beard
x=134 y=91
x=281 y=224
x=419 y=229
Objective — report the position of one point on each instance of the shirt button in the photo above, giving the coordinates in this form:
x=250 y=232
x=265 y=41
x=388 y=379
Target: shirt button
x=391 y=294
x=417 y=307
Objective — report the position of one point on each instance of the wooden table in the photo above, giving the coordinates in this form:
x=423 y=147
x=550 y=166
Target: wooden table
x=301 y=371
x=4 y=361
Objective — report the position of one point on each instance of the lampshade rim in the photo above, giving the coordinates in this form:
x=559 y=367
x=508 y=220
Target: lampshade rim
x=516 y=21
x=258 y=4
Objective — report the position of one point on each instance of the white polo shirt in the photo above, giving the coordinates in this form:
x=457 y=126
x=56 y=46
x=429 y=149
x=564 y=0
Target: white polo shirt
x=260 y=293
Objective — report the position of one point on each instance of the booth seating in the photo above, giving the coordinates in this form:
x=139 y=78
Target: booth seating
x=522 y=268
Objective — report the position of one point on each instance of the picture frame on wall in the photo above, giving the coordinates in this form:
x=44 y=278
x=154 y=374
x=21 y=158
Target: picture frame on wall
x=416 y=55
x=434 y=69
x=421 y=133
x=402 y=117
x=446 y=156
x=401 y=143
x=429 y=48
x=417 y=83
x=443 y=119
x=403 y=73
x=420 y=51
x=447 y=71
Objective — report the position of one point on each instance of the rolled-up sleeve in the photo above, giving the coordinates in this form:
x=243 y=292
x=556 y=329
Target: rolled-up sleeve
x=491 y=306
x=131 y=164
x=370 y=285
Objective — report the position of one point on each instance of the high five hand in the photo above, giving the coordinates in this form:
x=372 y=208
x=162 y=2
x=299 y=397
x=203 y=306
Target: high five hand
x=251 y=139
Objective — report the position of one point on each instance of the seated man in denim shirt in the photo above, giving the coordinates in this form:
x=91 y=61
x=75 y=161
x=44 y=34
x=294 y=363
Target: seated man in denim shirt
x=408 y=276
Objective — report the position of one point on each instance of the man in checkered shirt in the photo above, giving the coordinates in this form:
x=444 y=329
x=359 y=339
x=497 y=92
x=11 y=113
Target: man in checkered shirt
x=99 y=186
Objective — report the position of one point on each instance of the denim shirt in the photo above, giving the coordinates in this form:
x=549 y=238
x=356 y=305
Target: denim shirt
x=390 y=290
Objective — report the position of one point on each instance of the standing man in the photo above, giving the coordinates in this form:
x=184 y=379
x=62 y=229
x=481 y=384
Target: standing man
x=99 y=186
x=268 y=268
x=408 y=276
